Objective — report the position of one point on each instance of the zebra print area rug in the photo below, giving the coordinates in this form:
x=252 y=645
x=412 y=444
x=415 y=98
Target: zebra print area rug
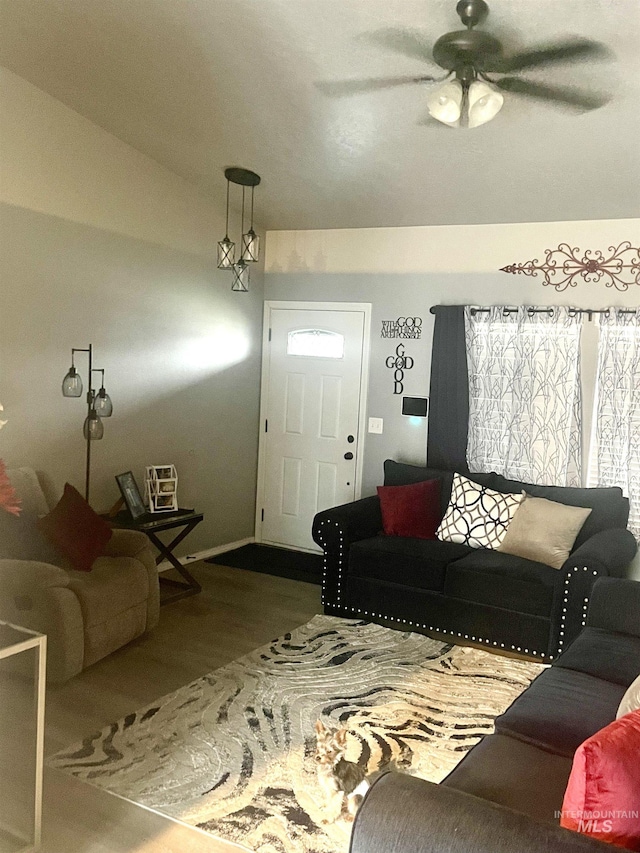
x=233 y=752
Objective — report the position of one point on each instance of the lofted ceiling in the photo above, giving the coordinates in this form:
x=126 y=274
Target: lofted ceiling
x=199 y=85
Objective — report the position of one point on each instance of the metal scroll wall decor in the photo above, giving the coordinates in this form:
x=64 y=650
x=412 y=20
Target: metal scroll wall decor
x=399 y=363
x=565 y=267
x=403 y=327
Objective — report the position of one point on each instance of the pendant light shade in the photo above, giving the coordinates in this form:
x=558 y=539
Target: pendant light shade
x=226 y=253
x=241 y=277
x=445 y=103
x=72 y=384
x=251 y=246
x=93 y=429
x=249 y=241
x=226 y=247
x=485 y=103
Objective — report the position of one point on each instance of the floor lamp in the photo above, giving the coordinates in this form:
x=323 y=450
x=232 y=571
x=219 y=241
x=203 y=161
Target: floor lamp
x=99 y=405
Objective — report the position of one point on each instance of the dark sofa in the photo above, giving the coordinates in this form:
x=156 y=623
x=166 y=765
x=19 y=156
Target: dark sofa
x=506 y=794
x=480 y=595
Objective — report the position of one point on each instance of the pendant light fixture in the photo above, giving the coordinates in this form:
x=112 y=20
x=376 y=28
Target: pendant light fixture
x=250 y=242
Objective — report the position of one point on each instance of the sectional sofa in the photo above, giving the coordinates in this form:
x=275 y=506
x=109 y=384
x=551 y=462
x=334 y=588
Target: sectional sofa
x=507 y=793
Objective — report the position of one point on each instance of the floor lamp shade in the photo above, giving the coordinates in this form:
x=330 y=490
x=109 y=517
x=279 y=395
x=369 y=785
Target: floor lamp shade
x=103 y=404
x=93 y=428
x=72 y=384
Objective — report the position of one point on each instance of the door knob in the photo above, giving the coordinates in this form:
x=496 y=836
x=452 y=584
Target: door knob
x=348 y=455
x=350 y=439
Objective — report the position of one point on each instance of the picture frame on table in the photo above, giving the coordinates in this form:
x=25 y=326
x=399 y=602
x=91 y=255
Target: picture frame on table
x=131 y=494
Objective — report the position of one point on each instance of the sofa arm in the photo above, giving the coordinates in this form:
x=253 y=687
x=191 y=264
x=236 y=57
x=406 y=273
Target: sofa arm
x=610 y=550
x=604 y=553
x=20 y=577
x=358 y=520
x=335 y=530
x=37 y=596
x=615 y=606
x=126 y=543
x=404 y=814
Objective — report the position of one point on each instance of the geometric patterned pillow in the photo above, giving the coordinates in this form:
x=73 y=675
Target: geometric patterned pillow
x=477 y=516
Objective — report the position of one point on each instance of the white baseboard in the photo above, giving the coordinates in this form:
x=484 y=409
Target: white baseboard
x=209 y=552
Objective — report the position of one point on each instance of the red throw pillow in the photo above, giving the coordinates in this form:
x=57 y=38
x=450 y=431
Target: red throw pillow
x=603 y=795
x=76 y=530
x=9 y=500
x=412 y=510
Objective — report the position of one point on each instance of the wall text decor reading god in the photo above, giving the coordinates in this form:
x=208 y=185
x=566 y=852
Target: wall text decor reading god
x=403 y=327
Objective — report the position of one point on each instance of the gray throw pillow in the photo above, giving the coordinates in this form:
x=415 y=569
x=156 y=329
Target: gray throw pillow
x=543 y=530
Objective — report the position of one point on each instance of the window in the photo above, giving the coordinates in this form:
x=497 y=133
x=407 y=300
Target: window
x=524 y=394
x=317 y=343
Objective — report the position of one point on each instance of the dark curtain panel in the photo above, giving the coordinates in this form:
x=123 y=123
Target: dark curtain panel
x=449 y=394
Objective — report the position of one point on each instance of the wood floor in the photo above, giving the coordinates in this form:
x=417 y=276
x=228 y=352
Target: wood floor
x=237 y=611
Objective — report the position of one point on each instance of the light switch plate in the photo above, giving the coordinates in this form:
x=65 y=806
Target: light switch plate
x=375 y=425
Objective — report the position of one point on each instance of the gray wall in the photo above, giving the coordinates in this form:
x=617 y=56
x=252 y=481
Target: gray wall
x=181 y=354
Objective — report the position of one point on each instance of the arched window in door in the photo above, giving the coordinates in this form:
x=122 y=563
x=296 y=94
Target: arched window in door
x=318 y=343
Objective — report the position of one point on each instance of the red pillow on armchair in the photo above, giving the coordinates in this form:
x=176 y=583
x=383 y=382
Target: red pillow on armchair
x=603 y=794
x=412 y=510
x=76 y=530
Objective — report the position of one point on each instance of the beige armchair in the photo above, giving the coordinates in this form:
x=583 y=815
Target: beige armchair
x=85 y=615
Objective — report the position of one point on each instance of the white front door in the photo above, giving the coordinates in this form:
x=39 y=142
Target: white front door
x=311 y=411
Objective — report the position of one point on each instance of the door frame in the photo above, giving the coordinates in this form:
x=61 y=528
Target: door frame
x=269 y=305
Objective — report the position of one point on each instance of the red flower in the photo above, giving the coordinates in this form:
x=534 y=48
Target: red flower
x=9 y=500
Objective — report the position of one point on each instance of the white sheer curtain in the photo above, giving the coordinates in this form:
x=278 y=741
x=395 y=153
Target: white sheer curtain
x=615 y=452
x=524 y=394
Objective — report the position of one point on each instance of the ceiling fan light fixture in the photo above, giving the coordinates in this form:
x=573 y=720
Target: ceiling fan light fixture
x=485 y=102
x=445 y=103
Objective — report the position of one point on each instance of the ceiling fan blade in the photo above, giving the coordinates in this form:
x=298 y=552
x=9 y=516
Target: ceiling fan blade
x=409 y=43
x=340 y=88
x=546 y=55
x=561 y=94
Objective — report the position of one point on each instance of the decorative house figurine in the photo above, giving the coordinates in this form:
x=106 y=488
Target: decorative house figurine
x=162 y=488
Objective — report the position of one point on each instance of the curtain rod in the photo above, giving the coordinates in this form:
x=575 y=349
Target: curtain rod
x=572 y=311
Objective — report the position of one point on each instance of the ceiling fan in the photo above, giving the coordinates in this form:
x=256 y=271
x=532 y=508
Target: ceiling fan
x=472 y=94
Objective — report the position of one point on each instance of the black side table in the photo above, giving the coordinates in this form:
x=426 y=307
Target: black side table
x=151 y=524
